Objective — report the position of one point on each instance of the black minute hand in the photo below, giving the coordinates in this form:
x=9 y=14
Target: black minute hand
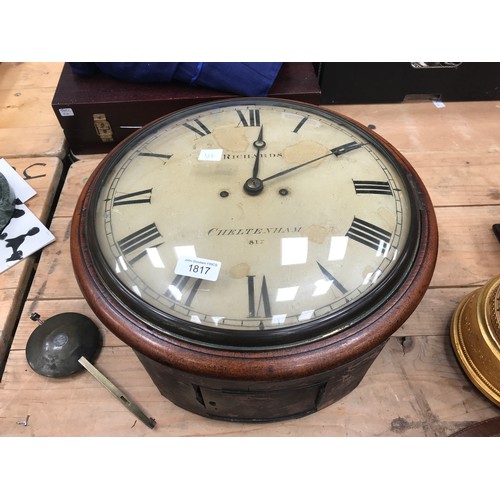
x=339 y=150
x=345 y=148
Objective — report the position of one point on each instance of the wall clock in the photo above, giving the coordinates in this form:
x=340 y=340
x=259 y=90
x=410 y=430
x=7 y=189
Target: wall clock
x=255 y=253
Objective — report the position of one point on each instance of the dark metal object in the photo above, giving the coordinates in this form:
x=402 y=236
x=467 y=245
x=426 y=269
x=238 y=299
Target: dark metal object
x=64 y=345
x=54 y=347
x=7 y=202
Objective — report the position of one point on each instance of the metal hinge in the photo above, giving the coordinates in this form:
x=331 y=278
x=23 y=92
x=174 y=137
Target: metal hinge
x=435 y=65
x=103 y=127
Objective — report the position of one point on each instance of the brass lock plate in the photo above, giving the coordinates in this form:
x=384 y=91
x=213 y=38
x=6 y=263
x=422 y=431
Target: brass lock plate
x=103 y=127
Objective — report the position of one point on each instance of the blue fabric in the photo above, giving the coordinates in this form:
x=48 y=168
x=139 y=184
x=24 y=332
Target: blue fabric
x=244 y=78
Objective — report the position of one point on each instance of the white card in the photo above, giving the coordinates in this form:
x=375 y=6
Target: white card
x=196 y=267
x=22 y=190
x=23 y=236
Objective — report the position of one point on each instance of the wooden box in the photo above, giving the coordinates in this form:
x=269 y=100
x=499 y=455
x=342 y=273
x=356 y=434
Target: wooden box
x=396 y=82
x=96 y=113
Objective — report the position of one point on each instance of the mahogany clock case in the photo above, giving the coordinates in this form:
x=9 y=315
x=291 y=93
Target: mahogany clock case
x=266 y=384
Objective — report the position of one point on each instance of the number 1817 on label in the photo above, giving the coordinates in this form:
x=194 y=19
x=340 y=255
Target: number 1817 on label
x=198 y=268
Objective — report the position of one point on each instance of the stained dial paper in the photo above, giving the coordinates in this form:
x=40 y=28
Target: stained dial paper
x=326 y=223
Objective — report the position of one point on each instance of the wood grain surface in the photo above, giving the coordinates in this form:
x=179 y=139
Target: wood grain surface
x=43 y=175
x=28 y=125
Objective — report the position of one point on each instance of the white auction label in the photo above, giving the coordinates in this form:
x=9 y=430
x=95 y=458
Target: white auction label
x=196 y=267
x=66 y=112
x=210 y=155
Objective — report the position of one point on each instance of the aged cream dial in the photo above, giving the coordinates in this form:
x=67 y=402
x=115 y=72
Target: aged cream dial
x=254 y=223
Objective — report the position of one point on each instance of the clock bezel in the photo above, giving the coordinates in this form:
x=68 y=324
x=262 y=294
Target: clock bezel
x=159 y=333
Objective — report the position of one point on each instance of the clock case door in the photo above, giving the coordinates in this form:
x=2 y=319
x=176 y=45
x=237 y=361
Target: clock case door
x=258 y=401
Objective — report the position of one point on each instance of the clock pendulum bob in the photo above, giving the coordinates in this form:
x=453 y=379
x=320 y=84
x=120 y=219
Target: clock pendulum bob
x=56 y=345
x=255 y=253
x=67 y=343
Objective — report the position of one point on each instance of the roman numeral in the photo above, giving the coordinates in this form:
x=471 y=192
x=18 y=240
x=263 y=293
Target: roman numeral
x=263 y=298
x=299 y=126
x=331 y=278
x=180 y=285
x=199 y=128
x=139 y=240
x=370 y=235
x=372 y=187
x=251 y=120
x=133 y=198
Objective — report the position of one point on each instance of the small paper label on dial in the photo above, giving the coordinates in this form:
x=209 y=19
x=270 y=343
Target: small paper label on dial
x=196 y=267
x=210 y=155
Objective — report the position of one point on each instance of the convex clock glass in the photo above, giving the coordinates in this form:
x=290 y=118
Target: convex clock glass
x=252 y=224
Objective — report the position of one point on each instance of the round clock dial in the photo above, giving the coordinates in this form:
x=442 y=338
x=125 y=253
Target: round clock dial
x=253 y=224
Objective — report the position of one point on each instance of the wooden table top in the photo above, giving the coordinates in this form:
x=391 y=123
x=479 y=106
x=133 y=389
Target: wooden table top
x=33 y=143
x=28 y=125
x=414 y=388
